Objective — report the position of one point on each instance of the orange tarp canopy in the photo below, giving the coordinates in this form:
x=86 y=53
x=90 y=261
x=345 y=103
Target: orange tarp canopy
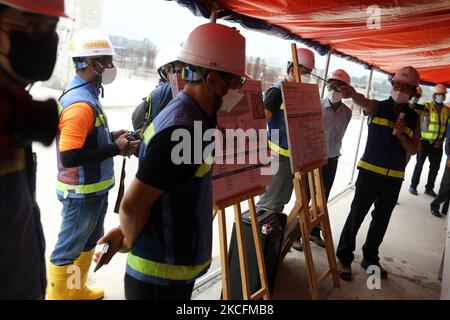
x=386 y=35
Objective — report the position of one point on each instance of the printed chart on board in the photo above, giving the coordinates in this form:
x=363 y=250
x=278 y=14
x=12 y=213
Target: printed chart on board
x=249 y=153
x=304 y=124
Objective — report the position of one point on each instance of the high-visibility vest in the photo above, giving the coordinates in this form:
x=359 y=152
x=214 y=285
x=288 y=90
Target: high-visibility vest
x=384 y=154
x=277 y=122
x=175 y=245
x=93 y=178
x=434 y=124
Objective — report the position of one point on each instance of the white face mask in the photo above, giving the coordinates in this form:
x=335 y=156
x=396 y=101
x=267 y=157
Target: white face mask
x=439 y=99
x=306 y=78
x=109 y=75
x=399 y=96
x=414 y=100
x=231 y=99
x=334 y=96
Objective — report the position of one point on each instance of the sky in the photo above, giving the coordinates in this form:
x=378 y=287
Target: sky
x=165 y=22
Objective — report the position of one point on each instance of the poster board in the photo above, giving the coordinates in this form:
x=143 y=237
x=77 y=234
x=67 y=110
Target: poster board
x=232 y=180
x=304 y=124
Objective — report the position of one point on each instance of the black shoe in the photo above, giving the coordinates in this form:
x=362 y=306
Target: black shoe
x=431 y=193
x=365 y=264
x=297 y=245
x=344 y=271
x=435 y=212
x=413 y=191
x=317 y=239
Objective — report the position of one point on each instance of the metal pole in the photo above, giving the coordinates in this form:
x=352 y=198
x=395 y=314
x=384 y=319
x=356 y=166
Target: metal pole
x=325 y=76
x=361 y=128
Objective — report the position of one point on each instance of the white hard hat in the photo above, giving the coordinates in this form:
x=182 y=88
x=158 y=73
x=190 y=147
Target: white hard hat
x=166 y=55
x=216 y=47
x=90 y=43
x=440 y=88
x=340 y=75
x=407 y=75
x=306 y=58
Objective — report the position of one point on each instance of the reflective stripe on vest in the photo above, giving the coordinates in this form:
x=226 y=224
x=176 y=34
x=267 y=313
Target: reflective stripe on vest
x=386 y=172
x=274 y=147
x=164 y=270
x=84 y=189
x=433 y=125
x=390 y=124
x=17 y=163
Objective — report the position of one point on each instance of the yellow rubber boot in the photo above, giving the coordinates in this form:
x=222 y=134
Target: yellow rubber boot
x=84 y=263
x=57 y=280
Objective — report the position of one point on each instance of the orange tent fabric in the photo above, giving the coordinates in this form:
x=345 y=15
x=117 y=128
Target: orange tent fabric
x=415 y=33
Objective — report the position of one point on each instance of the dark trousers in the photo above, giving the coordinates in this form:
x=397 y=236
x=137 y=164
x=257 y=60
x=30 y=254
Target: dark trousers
x=328 y=174
x=370 y=189
x=444 y=192
x=139 y=290
x=434 y=156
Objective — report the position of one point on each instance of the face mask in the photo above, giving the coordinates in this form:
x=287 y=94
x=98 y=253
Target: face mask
x=334 y=96
x=399 y=96
x=32 y=58
x=439 y=99
x=306 y=78
x=231 y=99
x=109 y=75
x=413 y=101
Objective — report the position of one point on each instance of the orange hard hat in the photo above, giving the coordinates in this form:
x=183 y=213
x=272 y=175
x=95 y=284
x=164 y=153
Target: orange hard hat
x=53 y=8
x=408 y=75
x=216 y=47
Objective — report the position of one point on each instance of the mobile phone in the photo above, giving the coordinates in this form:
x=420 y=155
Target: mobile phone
x=101 y=260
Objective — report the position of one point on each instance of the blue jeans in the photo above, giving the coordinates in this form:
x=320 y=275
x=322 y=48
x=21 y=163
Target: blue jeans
x=81 y=227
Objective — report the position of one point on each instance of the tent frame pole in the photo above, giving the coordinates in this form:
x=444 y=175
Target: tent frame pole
x=325 y=76
x=361 y=128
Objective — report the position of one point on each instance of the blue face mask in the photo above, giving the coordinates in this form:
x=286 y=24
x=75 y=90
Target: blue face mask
x=439 y=99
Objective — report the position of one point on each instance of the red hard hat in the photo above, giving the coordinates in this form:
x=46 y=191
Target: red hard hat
x=216 y=47
x=44 y=7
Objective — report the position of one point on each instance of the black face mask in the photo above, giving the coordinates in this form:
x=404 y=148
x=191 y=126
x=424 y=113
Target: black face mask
x=32 y=57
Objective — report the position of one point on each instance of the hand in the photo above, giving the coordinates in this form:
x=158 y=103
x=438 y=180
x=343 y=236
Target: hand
x=126 y=147
x=118 y=133
x=399 y=125
x=115 y=239
x=448 y=163
x=438 y=144
x=347 y=92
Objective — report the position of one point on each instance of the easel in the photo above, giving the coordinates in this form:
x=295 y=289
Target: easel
x=219 y=209
x=303 y=218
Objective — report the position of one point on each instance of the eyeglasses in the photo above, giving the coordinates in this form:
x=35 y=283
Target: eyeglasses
x=33 y=29
x=403 y=86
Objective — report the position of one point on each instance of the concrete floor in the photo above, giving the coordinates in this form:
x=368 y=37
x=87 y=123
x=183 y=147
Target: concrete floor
x=411 y=251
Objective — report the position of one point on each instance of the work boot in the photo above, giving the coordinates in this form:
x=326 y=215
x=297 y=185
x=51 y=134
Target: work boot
x=317 y=239
x=366 y=264
x=435 y=212
x=69 y=282
x=297 y=245
x=84 y=262
x=413 y=191
x=431 y=193
x=344 y=271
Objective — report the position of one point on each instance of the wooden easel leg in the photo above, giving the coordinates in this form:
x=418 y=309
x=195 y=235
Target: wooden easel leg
x=313 y=285
x=326 y=229
x=258 y=249
x=224 y=255
x=242 y=252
